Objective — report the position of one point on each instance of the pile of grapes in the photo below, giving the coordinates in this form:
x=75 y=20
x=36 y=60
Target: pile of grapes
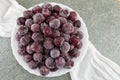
x=48 y=38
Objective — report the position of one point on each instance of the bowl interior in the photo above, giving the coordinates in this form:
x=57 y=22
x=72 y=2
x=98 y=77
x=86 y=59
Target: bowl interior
x=62 y=71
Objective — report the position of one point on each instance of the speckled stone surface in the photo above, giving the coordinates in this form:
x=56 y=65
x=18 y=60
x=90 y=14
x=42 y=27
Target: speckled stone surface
x=102 y=18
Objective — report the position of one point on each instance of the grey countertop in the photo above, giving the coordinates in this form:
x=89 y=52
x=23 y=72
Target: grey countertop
x=102 y=18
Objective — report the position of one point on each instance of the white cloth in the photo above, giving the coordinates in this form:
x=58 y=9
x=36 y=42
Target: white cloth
x=93 y=67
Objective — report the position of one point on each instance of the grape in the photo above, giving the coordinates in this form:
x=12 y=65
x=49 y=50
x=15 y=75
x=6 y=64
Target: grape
x=80 y=34
x=58 y=41
x=72 y=47
x=66 y=56
x=75 y=40
x=62 y=20
x=44 y=70
x=47 y=31
x=60 y=62
x=55 y=23
x=66 y=36
x=72 y=16
x=37 y=57
x=36 y=47
x=46 y=12
x=35 y=27
x=25 y=40
x=17 y=36
x=37 y=9
x=68 y=28
x=48 y=43
x=28 y=49
x=74 y=53
x=64 y=13
x=28 y=14
x=54 y=53
x=37 y=37
x=38 y=18
x=69 y=64
x=21 y=21
x=22 y=30
x=29 y=22
x=56 y=33
x=32 y=64
x=47 y=5
x=79 y=46
x=77 y=23
x=22 y=51
x=49 y=62
x=56 y=8
x=65 y=47
x=27 y=58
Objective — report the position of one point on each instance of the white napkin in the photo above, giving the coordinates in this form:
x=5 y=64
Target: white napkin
x=93 y=67
x=9 y=11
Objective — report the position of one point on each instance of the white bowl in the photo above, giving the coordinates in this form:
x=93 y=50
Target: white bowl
x=19 y=58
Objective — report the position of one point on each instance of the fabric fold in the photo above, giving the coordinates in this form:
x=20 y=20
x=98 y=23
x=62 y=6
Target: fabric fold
x=95 y=67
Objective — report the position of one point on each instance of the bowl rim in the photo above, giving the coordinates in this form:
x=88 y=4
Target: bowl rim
x=77 y=60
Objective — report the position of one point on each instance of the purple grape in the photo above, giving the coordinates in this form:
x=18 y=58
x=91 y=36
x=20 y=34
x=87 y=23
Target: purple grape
x=36 y=47
x=17 y=36
x=75 y=40
x=56 y=33
x=60 y=62
x=37 y=57
x=46 y=12
x=56 y=8
x=47 y=51
x=28 y=14
x=47 y=6
x=22 y=51
x=29 y=22
x=55 y=23
x=44 y=70
x=74 y=53
x=58 y=41
x=79 y=46
x=37 y=9
x=62 y=20
x=66 y=36
x=80 y=35
x=72 y=47
x=35 y=27
x=25 y=40
x=48 y=43
x=49 y=62
x=27 y=58
x=37 y=37
x=50 y=18
x=54 y=69
x=64 y=13
x=21 y=21
x=77 y=23
x=54 y=53
x=32 y=64
x=66 y=56
x=28 y=49
x=72 y=16
x=68 y=28
x=69 y=64
x=47 y=31
x=22 y=30
x=65 y=47
x=38 y=18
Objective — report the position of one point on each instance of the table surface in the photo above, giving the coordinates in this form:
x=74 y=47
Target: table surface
x=102 y=18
